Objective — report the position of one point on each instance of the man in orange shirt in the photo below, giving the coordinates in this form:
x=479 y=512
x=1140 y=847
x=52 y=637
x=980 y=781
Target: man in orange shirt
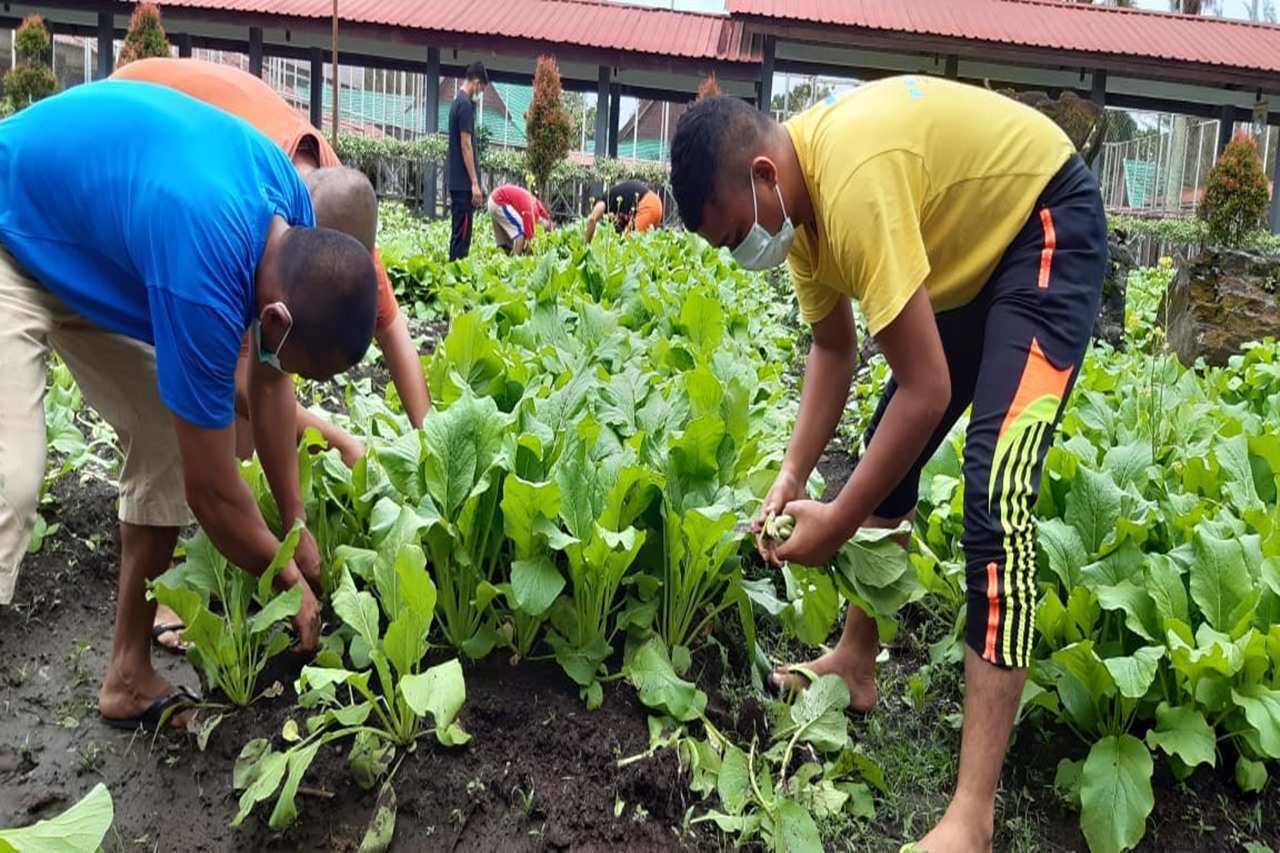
x=343 y=201
x=248 y=97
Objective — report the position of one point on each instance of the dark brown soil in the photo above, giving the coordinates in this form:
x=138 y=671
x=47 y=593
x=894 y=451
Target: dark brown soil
x=540 y=773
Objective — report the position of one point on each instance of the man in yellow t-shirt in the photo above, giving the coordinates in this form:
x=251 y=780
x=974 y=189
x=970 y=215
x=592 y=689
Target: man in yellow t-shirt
x=974 y=239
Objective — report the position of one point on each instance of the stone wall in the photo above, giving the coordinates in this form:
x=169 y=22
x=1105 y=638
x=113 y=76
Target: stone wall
x=1221 y=299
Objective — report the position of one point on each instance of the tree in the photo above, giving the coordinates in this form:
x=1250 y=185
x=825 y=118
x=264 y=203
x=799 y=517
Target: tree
x=547 y=122
x=32 y=78
x=1235 y=194
x=800 y=98
x=709 y=88
x=581 y=117
x=145 y=36
x=1120 y=126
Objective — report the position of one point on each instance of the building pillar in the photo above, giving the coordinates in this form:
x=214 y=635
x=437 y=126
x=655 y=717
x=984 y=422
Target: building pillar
x=431 y=126
x=106 y=45
x=615 y=107
x=952 y=67
x=766 y=73
x=602 y=113
x=255 y=51
x=1099 y=93
x=1226 y=123
x=316 y=97
x=184 y=46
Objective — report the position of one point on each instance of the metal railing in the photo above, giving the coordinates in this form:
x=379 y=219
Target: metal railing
x=1162 y=172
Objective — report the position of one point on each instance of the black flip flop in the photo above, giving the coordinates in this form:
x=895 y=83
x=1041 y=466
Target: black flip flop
x=157 y=631
x=151 y=719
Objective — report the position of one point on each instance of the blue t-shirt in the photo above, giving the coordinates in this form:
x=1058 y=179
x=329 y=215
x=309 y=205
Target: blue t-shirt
x=147 y=211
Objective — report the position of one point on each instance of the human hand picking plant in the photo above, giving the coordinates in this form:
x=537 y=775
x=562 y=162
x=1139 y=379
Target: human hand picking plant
x=805 y=532
x=785 y=489
x=307 y=620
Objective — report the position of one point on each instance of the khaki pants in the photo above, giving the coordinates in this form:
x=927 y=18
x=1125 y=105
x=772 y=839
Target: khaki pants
x=117 y=376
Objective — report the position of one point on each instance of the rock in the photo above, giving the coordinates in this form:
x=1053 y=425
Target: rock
x=1081 y=119
x=1223 y=298
x=1109 y=324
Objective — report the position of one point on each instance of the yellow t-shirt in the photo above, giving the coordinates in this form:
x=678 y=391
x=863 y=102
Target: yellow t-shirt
x=915 y=180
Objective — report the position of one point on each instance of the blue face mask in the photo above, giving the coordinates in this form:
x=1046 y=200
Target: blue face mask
x=760 y=250
x=272 y=358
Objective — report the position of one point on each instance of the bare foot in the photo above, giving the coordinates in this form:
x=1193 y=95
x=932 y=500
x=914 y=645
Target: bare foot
x=165 y=618
x=957 y=833
x=128 y=697
x=860 y=677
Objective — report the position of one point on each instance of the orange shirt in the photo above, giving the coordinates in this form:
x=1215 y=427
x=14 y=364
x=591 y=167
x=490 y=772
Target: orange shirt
x=244 y=95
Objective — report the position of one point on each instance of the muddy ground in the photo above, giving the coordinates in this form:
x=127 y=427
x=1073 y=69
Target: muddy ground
x=540 y=773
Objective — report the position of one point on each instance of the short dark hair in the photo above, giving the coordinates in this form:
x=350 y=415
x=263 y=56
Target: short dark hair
x=343 y=199
x=713 y=134
x=476 y=71
x=332 y=291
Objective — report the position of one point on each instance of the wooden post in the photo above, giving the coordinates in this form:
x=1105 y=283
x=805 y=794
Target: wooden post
x=336 y=119
x=431 y=126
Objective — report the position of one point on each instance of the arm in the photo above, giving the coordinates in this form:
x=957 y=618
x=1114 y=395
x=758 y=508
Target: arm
x=406 y=369
x=398 y=351
x=827 y=376
x=273 y=411
x=221 y=500
x=468 y=157
x=597 y=213
x=914 y=351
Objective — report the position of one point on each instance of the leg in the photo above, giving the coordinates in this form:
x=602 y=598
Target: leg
x=131 y=684
x=854 y=657
x=460 y=236
x=25 y=318
x=991 y=695
x=1044 y=296
x=118 y=378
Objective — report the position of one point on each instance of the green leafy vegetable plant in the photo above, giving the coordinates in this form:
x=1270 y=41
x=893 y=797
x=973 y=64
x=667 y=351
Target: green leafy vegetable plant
x=81 y=827
x=383 y=709
x=230 y=648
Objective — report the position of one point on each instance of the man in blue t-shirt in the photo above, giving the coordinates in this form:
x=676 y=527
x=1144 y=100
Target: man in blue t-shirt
x=464 y=160
x=142 y=233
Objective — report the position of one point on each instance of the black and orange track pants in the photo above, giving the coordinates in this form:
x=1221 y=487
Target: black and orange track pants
x=1013 y=352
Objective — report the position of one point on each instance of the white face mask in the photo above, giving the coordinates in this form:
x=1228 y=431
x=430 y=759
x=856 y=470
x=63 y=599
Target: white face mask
x=760 y=250
x=272 y=358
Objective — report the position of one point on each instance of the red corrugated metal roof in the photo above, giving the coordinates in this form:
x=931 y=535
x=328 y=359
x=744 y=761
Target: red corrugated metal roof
x=588 y=23
x=1045 y=24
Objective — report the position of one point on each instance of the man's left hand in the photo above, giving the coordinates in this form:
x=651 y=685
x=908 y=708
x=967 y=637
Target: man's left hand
x=307 y=558
x=818 y=534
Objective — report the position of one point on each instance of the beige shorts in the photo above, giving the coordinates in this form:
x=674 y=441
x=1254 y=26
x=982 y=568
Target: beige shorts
x=117 y=376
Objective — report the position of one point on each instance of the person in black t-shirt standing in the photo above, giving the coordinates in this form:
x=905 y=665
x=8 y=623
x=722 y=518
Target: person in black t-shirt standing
x=464 y=160
x=633 y=206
